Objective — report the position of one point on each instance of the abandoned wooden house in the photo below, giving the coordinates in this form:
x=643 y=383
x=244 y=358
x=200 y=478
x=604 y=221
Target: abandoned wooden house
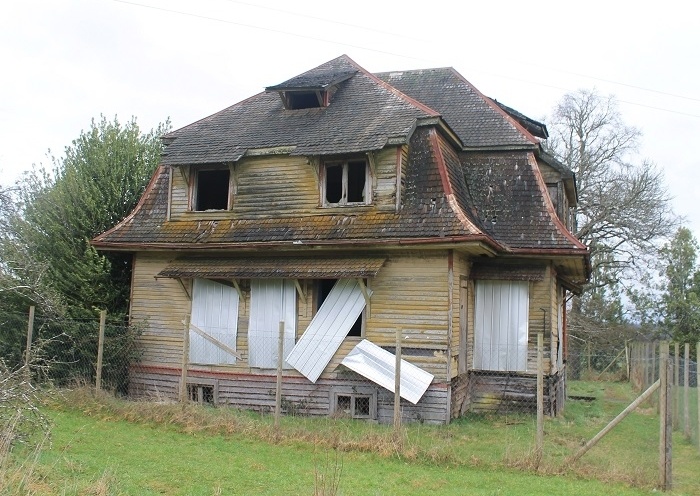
x=349 y=205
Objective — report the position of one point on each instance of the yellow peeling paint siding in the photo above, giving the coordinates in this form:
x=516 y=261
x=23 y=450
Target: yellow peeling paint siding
x=461 y=273
x=541 y=294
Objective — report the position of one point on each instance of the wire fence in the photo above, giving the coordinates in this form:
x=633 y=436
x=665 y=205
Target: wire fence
x=570 y=402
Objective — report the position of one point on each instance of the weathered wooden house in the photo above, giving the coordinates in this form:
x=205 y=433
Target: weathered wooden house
x=348 y=205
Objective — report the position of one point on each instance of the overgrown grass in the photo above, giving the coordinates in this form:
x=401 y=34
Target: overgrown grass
x=102 y=445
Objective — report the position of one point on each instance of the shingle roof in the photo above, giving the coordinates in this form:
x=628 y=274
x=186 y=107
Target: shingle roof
x=364 y=115
x=476 y=119
x=323 y=76
x=267 y=267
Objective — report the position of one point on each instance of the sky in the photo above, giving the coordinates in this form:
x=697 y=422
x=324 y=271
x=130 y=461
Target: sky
x=65 y=62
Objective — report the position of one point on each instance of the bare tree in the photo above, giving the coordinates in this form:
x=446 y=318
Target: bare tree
x=624 y=210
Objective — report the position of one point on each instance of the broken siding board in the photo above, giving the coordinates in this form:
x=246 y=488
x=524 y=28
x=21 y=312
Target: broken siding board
x=179 y=194
x=328 y=329
x=385 y=191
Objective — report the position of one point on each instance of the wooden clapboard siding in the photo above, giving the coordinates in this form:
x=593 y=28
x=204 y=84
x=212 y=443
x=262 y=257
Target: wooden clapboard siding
x=385 y=179
x=411 y=292
x=503 y=392
x=539 y=321
x=283 y=184
x=179 y=196
x=160 y=305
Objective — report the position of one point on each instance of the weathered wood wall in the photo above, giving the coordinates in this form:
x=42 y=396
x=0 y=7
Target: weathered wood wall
x=285 y=185
x=300 y=397
x=511 y=392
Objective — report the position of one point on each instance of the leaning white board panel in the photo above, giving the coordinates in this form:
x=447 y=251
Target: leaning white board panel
x=327 y=329
x=379 y=366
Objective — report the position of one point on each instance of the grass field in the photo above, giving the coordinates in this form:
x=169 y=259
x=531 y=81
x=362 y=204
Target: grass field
x=106 y=446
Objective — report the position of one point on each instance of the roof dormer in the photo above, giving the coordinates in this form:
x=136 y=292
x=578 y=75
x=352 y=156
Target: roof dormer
x=312 y=89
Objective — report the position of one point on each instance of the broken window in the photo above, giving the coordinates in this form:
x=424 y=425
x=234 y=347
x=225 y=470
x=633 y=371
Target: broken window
x=501 y=325
x=324 y=287
x=211 y=189
x=215 y=313
x=346 y=182
x=201 y=393
x=271 y=301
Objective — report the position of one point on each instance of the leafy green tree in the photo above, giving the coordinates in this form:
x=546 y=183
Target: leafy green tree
x=45 y=255
x=680 y=301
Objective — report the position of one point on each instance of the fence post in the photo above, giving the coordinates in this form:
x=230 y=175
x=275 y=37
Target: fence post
x=397 y=385
x=676 y=384
x=686 y=390
x=185 y=358
x=30 y=335
x=665 y=424
x=539 y=439
x=100 y=350
x=280 y=360
x=697 y=386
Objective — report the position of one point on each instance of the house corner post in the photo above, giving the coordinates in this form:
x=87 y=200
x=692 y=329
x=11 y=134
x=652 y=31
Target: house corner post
x=100 y=350
x=185 y=358
x=665 y=418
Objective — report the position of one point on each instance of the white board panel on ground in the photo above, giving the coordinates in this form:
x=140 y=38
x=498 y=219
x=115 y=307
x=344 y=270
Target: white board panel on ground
x=327 y=329
x=379 y=366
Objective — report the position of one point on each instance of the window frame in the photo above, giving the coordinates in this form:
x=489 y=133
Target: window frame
x=353 y=394
x=194 y=188
x=344 y=163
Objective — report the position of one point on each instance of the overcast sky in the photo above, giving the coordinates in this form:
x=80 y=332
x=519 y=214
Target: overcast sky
x=65 y=62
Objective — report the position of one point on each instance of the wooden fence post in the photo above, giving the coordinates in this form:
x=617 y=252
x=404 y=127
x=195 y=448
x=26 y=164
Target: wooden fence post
x=539 y=439
x=665 y=420
x=28 y=351
x=100 y=350
x=185 y=358
x=397 y=385
x=697 y=386
x=676 y=384
x=686 y=390
x=280 y=361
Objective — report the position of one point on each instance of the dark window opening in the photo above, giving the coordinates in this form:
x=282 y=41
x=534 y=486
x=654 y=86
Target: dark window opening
x=334 y=183
x=344 y=404
x=361 y=407
x=356 y=181
x=297 y=100
x=212 y=190
x=345 y=183
x=324 y=288
x=198 y=393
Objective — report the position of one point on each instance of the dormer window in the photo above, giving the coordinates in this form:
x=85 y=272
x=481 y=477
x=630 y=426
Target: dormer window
x=295 y=100
x=345 y=182
x=211 y=189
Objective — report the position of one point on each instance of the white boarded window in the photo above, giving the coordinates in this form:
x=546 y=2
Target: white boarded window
x=501 y=325
x=271 y=301
x=328 y=329
x=214 y=311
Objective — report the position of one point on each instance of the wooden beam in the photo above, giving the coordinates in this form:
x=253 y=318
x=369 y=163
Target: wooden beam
x=189 y=296
x=366 y=295
x=238 y=288
x=300 y=290
x=215 y=341
x=184 y=172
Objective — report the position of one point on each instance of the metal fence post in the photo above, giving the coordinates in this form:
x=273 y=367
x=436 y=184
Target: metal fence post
x=676 y=384
x=686 y=391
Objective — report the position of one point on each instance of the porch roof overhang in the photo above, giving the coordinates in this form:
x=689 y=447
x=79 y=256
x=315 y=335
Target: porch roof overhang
x=273 y=267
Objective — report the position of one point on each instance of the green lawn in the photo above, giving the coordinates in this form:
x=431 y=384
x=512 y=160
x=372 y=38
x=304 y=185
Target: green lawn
x=102 y=446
